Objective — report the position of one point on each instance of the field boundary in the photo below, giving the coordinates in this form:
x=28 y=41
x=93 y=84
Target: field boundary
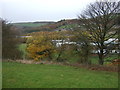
x=76 y=65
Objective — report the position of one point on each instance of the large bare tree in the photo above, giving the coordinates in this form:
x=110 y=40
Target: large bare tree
x=100 y=19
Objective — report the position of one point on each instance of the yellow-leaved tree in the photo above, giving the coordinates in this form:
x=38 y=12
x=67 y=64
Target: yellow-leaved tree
x=40 y=46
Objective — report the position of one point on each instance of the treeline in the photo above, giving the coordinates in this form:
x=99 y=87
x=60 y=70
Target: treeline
x=58 y=46
x=10 y=41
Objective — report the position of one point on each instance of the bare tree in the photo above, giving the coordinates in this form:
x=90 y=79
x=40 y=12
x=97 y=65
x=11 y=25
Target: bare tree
x=99 y=19
x=82 y=46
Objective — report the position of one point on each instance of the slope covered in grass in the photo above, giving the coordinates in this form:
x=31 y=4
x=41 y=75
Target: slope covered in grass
x=29 y=24
x=22 y=48
x=16 y=75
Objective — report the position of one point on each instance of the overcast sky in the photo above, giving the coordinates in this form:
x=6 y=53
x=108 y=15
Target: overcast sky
x=41 y=10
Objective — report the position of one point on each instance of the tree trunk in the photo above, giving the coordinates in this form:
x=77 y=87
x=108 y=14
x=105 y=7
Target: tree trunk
x=101 y=58
x=58 y=58
x=50 y=58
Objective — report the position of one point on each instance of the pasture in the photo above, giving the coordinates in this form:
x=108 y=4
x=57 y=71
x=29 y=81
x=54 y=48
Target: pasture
x=22 y=48
x=17 y=75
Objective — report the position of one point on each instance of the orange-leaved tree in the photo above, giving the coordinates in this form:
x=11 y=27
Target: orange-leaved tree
x=40 y=46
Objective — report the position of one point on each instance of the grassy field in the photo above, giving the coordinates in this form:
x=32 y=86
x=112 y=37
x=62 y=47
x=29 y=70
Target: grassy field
x=16 y=75
x=29 y=24
x=22 y=47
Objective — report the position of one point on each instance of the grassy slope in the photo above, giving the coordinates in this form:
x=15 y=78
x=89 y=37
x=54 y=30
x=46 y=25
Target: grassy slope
x=29 y=24
x=30 y=27
x=16 y=75
x=22 y=47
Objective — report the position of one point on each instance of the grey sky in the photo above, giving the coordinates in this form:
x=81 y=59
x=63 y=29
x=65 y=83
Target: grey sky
x=41 y=10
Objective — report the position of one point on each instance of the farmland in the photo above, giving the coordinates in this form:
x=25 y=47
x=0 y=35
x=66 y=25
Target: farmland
x=16 y=75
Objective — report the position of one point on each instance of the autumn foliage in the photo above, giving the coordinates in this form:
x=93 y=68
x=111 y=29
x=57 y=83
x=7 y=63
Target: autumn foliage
x=39 y=46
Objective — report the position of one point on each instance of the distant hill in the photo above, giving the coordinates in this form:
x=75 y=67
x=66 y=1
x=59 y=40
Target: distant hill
x=31 y=24
x=68 y=24
x=30 y=27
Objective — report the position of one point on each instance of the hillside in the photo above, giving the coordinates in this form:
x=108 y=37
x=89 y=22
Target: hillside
x=68 y=24
x=28 y=27
x=31 y=24
x=57 y=26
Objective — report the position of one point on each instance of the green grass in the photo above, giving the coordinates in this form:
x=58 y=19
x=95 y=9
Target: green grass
x=73 y=58
x=22 y=48
x=110 y=57
x=16 y=75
